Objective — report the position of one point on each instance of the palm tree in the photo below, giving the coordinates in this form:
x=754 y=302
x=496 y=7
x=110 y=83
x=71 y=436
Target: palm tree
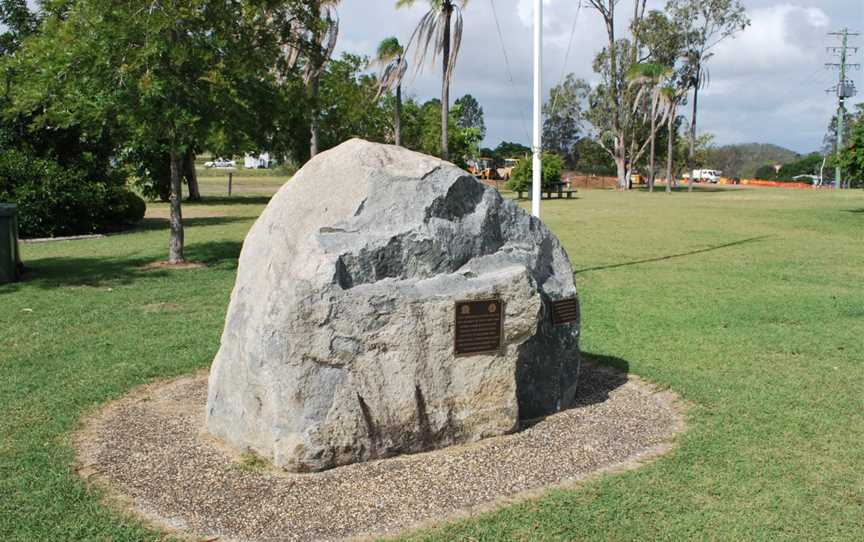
x=440 y=27
x=314 y=39
x=649 y=76
x=391 y=58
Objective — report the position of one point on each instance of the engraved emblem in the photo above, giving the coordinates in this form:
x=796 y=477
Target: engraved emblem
x=479 y=327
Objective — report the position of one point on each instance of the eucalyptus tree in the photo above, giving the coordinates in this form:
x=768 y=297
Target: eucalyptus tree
x=470 y=114
x=612 y=99
x=439 y=32
x=705 y=24
x=391 y=58
x=564 y=116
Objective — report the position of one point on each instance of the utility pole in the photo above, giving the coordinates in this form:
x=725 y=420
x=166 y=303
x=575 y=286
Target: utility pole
x=845 y=89
x=537 y=162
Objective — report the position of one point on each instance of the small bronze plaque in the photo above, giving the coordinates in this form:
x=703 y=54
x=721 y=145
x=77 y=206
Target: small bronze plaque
x=479 y=325
x=565 y=311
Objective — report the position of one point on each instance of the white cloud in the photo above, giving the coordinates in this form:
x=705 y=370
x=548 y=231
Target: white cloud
x=525 y=10
x=780 y=38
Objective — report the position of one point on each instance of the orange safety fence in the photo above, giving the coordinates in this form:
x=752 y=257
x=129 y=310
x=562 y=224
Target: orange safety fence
x=775 y=184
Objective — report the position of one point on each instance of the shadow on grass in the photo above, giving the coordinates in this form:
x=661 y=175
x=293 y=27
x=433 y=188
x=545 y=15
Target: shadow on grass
x=672 y=256
x=49 y=273
x=233 y=200
x=855 y=210
x=161 y=223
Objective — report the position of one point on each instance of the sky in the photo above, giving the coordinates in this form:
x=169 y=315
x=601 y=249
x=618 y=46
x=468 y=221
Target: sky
x=767 y=85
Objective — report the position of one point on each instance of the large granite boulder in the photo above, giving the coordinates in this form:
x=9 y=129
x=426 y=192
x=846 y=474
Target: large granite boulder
x=339 y=340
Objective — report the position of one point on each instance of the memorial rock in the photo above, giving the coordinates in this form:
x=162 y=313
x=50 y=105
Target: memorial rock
x=340 y=339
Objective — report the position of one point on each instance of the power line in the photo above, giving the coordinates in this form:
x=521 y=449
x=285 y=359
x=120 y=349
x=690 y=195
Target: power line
x=567 y=55
x=507 y=65
x=845 y=88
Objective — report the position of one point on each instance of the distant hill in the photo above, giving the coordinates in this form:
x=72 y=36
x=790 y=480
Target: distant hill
x=744 y=159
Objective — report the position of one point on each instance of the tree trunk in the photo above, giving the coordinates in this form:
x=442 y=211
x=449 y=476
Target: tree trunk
x=175 y=242
x=692 y=154
x=653 y=139
x=619 y=135
x=397 y=122
x=313 y=125
x=445 y=85
x=621 y=167
x=670 y=149
x=191 y=176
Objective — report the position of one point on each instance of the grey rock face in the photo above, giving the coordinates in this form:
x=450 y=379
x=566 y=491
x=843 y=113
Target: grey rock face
x=338 y=343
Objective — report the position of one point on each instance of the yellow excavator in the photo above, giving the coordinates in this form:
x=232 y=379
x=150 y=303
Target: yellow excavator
x=484 y=169
x=505 y=172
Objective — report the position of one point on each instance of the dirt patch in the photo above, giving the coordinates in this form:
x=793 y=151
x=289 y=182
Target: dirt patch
x=150 y=452
x=168 y=265
x=189 y=211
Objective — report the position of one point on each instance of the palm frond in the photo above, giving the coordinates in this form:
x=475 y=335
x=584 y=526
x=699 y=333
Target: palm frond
x=428 y=37
x=456 y=43
x=391 y=76
x=421 y=38
x=326 y=43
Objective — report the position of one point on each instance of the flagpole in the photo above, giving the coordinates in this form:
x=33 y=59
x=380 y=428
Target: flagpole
x=536 y=146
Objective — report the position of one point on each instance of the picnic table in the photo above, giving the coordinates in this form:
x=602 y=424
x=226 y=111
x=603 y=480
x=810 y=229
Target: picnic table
x=561 y=189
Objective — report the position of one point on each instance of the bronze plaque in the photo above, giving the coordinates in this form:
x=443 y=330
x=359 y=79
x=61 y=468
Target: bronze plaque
x=565 y=311
x=479 y=325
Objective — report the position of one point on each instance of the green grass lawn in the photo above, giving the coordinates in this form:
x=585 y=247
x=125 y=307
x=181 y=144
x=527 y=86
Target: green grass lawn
x=747 y=303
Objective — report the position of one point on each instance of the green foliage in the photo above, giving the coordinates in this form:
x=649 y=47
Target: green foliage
x=851 y=160
x=829 y=143
x=17 y=22
x=53 y=200
x=807 y=165
x=421 y=131
x=523 y=173
x=563 y=113
x=349 y=105
x=592 y=159
x=470 y=114
x=661 y=38
x=745 y=159
x=505 y=150
x=165 y=81
x=766 y=172
x=388 y=49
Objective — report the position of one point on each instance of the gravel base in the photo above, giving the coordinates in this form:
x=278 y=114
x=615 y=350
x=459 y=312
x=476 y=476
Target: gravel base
x=148 y=450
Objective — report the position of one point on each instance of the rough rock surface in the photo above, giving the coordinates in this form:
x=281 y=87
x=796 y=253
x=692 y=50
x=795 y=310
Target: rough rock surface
x=338 y=343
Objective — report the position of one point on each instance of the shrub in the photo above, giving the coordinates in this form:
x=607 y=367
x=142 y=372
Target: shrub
x=125 y=208
x=522 y=175
x=53 y=200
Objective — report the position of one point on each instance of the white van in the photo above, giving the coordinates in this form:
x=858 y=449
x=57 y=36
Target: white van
x=707 y=175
